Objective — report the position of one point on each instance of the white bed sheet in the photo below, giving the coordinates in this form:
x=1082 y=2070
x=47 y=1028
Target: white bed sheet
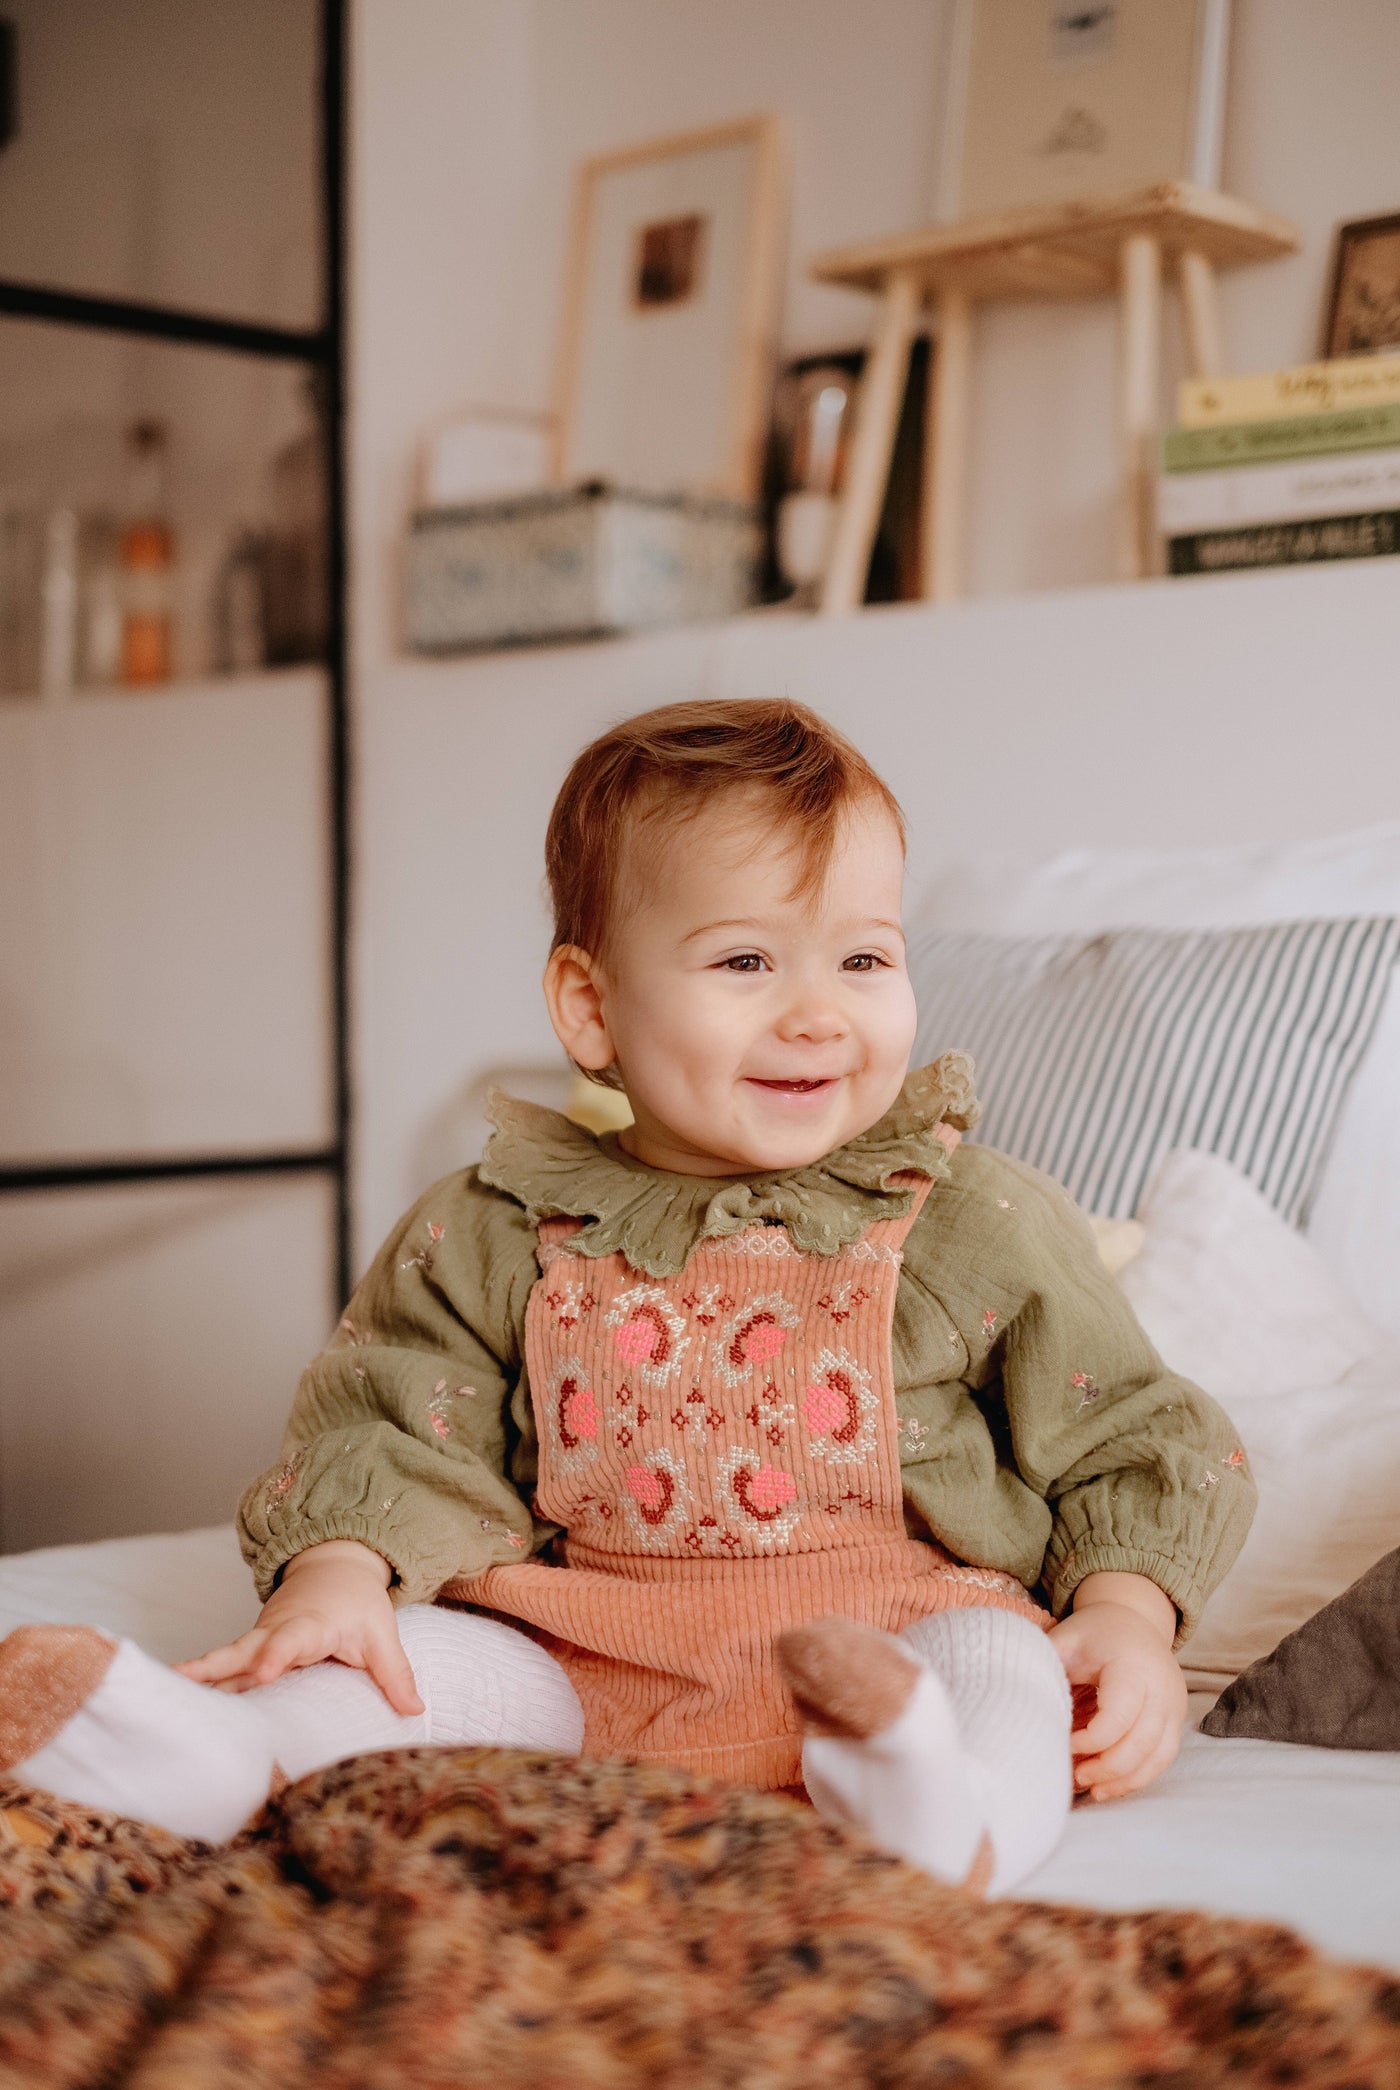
x=1306 y=1837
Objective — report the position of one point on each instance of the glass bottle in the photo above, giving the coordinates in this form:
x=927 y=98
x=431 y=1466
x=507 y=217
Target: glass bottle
x=147 y=561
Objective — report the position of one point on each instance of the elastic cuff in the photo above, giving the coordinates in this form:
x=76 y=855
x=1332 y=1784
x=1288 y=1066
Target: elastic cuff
x=1168 y=1574
x=407 y=1586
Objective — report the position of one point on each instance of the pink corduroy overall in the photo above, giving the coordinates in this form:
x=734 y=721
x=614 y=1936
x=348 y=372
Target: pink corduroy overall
x=722 y=1450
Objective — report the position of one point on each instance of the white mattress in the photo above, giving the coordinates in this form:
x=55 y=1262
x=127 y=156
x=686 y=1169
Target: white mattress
x=1306 y=1837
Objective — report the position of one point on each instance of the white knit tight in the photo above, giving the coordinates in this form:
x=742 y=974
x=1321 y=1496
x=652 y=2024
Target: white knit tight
x=150 y=1744
x=481 y=1682
x=981 y=1747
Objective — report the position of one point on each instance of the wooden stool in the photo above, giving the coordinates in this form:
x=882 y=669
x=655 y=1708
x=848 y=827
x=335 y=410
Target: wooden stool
x=1064 y=251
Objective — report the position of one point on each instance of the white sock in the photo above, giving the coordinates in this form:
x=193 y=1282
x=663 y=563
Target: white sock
x=908 y=1788
x=154 y=1746
x=982 y=1747
x=481 y=1682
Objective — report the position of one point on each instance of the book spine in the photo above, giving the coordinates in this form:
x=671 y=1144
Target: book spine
x=1359 y=482
x=1263 y=442
x=1311 y=388
x=1286 y=544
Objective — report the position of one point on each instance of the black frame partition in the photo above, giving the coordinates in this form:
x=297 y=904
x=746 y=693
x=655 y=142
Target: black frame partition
x=323 y=349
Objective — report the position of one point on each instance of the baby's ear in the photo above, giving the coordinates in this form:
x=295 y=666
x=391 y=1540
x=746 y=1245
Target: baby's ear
x=573 y=992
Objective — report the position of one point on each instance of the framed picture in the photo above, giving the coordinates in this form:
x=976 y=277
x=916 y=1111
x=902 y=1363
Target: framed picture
x=671 y=311
x=1060 y=101
x=1363 y=312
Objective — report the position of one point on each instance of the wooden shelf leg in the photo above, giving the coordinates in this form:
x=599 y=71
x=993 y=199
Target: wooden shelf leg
x=945 y=448
x=868 y=463
x=1201 y=307
x=1139 y=350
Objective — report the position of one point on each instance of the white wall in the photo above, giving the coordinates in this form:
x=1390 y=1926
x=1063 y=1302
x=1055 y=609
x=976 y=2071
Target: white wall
x=164 y=988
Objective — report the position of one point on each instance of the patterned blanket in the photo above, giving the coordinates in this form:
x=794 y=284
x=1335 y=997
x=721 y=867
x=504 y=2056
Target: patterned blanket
x=475 y=1918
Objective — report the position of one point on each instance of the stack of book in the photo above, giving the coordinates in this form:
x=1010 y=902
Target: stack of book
x=1283 y=468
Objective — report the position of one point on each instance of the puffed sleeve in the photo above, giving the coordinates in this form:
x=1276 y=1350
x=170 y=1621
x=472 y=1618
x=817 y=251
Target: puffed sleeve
x=402 y=1433
x=1139 y=1471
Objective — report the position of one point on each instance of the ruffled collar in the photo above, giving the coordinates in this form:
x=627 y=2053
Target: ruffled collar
x=553 y=1167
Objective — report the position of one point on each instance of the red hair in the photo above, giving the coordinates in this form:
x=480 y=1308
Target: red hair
x=675 y=762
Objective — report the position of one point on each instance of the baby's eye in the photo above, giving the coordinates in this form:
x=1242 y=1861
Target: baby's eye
x=864 y=961
x=743 y=961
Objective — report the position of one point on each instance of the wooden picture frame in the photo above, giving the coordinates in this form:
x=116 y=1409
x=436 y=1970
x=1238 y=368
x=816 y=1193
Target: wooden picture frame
x=1363 y=306
x=1065 y=101
x=671 y=303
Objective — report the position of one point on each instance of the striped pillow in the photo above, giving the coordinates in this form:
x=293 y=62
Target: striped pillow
x=1097 y=1055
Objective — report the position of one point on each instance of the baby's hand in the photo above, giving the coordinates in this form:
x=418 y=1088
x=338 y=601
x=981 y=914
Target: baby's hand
x=332 y=1604
x=1123 y=1654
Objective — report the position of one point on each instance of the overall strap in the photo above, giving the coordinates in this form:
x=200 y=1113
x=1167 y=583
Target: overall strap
x=894 y=1232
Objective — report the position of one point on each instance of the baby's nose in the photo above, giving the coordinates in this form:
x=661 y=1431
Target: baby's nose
x=814 y=1016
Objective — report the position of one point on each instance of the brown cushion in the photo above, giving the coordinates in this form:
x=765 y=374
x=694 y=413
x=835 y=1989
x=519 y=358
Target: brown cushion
x=1335 y=1682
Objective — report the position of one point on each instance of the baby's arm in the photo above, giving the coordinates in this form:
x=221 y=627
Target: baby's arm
x=1149 y=1493
x=396 y=1470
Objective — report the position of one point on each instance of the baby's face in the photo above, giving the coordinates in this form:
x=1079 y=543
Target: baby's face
x=753 y=1030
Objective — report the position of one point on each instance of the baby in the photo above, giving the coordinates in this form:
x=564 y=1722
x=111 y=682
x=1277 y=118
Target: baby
x=779 y=1436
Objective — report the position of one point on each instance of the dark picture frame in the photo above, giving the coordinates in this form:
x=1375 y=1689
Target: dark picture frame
x=1363 y=307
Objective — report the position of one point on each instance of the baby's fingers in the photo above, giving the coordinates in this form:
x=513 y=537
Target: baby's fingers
x=389 y=1666
x=223 y=1662
x=1113 y=1765
x=1121 y=1693
x=1150 y=1767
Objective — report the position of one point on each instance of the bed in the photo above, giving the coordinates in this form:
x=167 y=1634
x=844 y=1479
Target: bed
x=1254 y=1237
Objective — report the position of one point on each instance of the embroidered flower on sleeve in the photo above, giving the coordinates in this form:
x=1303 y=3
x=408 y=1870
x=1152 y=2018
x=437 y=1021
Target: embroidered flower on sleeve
x=424 y=1259
x=281 y=1482
x=989 y=1323
x=1236 y=1459
x=440 y=1403
x=1086 y=1386
x=1211 y=1480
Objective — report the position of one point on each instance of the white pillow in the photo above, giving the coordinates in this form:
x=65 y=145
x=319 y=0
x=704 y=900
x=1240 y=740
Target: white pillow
x=1326 y=1460
x=1230 y=1294
x=1355 y=1218
x=1084 y=890
x=1239 y=1302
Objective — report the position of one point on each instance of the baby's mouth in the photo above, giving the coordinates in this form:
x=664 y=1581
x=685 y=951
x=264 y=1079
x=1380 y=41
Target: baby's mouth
x=794 y=1088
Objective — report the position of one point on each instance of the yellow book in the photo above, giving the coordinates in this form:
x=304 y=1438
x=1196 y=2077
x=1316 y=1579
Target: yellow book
x=1309 y=388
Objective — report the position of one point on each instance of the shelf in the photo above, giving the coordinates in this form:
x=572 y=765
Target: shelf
x=200 y=688
x=1063 y=250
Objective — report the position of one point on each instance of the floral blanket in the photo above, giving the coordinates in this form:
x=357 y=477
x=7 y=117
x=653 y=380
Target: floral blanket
x=484 y=1918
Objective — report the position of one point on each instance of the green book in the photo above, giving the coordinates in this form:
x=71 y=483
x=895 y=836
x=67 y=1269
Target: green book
x=1300 y=435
